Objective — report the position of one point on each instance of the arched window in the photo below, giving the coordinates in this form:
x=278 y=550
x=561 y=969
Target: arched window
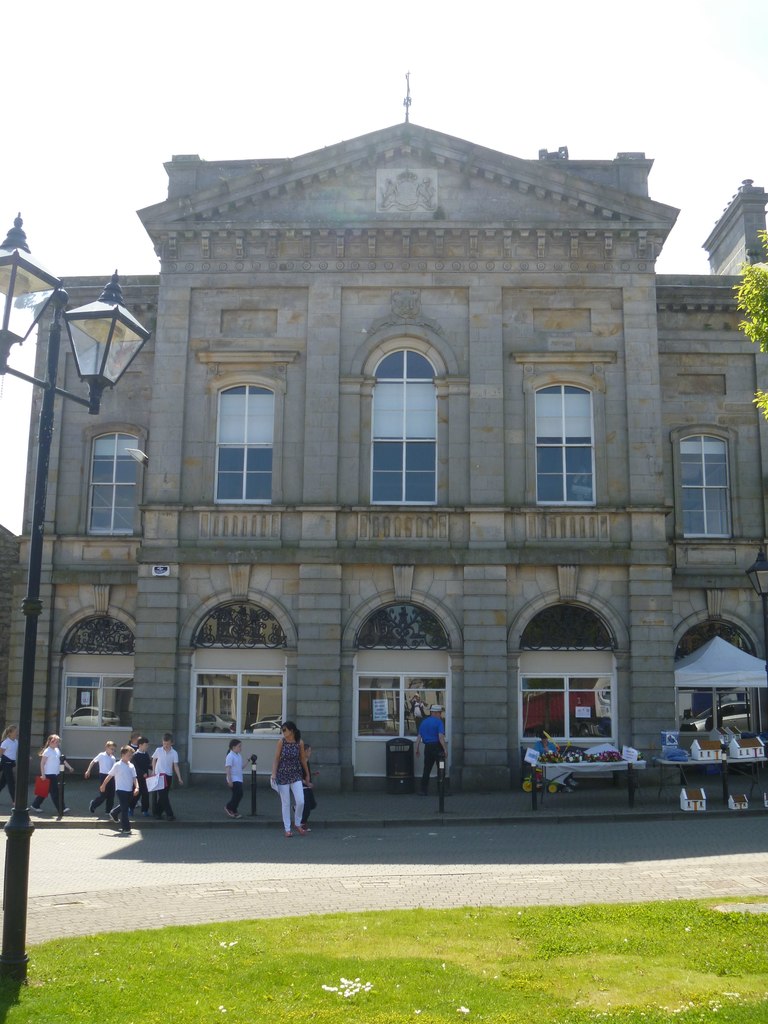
x=564 y=446
x=237 y=687
x=402 y=627
x=239 y=624
x=566 y=627
x=112 y=501
x=704 y=481
x=697 y=636
x=244 y=451
x=98 y=674
x=404 y=431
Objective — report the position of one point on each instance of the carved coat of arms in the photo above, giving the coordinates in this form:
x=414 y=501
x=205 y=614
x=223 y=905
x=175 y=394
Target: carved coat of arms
x=407 y=190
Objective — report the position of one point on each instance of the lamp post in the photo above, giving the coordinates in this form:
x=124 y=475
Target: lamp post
x=758 y=577
x=105 y=339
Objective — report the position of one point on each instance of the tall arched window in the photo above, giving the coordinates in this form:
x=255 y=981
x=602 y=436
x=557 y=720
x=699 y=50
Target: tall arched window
x=704 y=479
x=564 y=446
x=244 y=456
x=404 y=431
x=112 y=501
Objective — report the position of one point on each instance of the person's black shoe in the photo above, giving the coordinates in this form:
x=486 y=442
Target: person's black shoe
x=114 y=814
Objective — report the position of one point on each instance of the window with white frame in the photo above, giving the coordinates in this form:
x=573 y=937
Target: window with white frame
x=564 y=446
x=704 y=485
x=404 y=430
x=112 y=502
x=98 y=700
x=567 y=707
x=245 y=440
x=238 y=702
x=394 y=705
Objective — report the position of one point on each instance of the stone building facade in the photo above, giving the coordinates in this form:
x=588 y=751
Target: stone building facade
x=418 y=422
x=9 y=558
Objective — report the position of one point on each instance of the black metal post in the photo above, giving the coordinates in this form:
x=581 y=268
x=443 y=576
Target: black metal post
x=253 y=785
x=19 y=828
x=60 y=793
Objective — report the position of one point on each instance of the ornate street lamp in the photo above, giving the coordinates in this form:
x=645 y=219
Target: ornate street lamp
x=105 y=339
x=758 y=577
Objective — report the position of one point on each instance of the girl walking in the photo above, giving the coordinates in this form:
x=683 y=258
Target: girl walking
x=289 y=772
x=9 y=746
x=234 y=768
x=51 y=760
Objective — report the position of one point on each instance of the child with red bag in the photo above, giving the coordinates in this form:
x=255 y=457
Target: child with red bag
x=51 y=760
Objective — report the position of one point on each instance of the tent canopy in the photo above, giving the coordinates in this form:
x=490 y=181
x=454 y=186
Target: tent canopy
x=718 y=663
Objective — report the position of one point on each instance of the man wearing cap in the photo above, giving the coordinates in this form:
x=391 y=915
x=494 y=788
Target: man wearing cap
x=432 y=735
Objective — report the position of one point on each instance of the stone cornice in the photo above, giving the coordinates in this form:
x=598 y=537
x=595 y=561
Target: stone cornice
x=200 y=249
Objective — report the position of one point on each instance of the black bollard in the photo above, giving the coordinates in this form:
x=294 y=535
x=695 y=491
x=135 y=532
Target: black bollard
x=253 y=785
x=441 y=785
x=61 y=803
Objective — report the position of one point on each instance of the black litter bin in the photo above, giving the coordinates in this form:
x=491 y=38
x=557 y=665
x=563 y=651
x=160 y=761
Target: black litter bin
x=400 y=765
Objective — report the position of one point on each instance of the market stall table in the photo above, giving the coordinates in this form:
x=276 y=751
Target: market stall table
x=746 y=766
x=555 y=771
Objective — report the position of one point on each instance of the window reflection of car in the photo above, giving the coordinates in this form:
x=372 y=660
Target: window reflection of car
x=92 y=717
x=214 y=723
x=266 y=725
x=734 y=716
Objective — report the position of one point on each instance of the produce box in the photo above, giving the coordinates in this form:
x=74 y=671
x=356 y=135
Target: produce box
x=693 y=800
x=706 y=750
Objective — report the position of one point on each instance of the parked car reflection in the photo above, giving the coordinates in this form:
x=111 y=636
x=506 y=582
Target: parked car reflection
x=735 y=716
x=214 y=723
x=92 y=717
x=266 y=725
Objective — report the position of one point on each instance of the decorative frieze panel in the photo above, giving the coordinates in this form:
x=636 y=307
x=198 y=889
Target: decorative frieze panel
x=251 y=525
x=402 y=526
x=568 y=525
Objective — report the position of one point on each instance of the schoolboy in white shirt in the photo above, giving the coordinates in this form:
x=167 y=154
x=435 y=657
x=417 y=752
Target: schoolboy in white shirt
x=126 y=786
x=105 y=760
x=165 y=761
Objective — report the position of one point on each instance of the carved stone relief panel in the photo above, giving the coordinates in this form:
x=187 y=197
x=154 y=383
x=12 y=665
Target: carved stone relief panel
x=406 y=190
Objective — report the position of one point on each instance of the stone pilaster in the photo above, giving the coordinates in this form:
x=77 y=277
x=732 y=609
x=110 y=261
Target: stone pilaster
x=485 y=692
x=316 y=702
x=486 y=396
x=652 y=690
x=321 y=409
x=160 y=694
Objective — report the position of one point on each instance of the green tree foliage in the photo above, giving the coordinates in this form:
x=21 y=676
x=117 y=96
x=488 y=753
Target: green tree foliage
x=752 y=296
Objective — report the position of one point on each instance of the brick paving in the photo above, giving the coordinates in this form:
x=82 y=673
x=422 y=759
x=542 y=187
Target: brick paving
x=379 y=851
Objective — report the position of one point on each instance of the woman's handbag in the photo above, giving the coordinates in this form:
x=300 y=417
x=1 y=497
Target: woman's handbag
x=42 y=786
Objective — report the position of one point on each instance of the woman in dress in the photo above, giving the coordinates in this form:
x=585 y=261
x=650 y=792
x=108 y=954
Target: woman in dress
x=289 y=773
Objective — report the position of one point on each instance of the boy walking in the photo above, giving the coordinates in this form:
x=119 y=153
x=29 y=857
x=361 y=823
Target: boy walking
x=105 y=761
x=124 y=775
x=165 y=761
x=234 y=767
x=142 y=762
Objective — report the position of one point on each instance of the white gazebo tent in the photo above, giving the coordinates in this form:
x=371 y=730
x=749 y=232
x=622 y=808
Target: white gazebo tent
x=720 y=666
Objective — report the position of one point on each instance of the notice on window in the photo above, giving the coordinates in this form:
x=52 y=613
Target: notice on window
x=583 y=711
x=380 y=710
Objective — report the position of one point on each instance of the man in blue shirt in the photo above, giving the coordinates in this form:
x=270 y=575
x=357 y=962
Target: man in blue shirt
x=432 y=735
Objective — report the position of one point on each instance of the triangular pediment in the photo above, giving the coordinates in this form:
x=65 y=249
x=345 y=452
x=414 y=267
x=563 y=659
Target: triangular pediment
x=406 y=176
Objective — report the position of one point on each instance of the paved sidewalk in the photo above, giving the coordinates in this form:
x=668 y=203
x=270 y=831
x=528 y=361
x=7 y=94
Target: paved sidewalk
x=202 y=803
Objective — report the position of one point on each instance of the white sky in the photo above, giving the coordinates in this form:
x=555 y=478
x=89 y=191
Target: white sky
x=99 y=95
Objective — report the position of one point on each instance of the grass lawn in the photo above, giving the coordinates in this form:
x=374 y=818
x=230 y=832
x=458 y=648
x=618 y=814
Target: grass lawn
x=634 y=964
